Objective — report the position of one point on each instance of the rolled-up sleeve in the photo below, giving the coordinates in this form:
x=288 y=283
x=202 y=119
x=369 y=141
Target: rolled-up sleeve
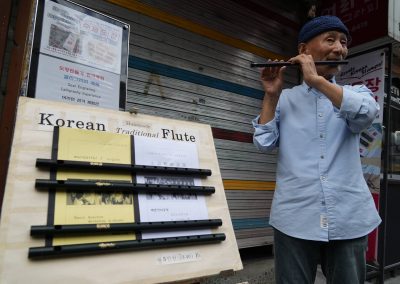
x=358 y=107
x=266 y=136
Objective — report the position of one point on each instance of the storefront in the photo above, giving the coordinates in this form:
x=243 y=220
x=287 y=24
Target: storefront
x=191 y=61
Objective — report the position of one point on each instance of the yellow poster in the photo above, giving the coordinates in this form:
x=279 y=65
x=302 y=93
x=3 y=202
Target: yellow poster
x=93 y=207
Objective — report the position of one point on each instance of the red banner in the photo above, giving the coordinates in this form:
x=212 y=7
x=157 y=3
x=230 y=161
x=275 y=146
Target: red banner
x=366 y=20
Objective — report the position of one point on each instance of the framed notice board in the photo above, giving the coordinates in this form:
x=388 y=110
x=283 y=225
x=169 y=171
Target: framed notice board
x=79 y=56
x=115 y=135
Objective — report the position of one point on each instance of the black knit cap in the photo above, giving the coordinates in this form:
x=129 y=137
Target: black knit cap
x=320 y=25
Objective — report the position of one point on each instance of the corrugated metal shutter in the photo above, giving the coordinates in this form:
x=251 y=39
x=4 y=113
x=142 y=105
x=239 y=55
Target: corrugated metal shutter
x=190 y=60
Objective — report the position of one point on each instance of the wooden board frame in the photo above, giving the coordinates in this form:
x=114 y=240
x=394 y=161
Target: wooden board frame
x=25 y=206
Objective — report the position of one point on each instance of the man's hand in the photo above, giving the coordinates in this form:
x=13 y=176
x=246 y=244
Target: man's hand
x=310 y=74
x=272 y=80
x=313 y=79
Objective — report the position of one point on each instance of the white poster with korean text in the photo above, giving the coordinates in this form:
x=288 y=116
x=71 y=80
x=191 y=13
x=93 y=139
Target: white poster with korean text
x=369 y=69
x=78 y=37
x=64 y=81
x=82 y=56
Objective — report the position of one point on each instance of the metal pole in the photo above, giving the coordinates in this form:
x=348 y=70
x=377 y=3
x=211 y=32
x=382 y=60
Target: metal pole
x=384 y=184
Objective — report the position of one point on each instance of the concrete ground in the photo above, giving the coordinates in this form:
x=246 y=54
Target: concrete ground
x=258 y=268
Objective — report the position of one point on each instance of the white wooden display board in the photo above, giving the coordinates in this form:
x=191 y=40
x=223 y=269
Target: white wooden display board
x=25 y=206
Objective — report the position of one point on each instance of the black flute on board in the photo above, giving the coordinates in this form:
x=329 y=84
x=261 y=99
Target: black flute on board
x=106 y=247
x=84 y=185
x=285 y=63
x=84 y=229
x=67 y=164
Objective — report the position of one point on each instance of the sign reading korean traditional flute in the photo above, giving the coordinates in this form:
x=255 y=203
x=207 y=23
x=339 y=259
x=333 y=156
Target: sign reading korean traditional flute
x=26 y=208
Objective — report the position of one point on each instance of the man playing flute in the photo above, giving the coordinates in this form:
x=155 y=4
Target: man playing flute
x=322 y=209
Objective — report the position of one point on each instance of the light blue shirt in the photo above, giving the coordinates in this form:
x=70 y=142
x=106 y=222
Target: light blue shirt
x=320 y=190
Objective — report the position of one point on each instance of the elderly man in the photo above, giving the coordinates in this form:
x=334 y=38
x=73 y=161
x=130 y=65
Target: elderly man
x=322 y=209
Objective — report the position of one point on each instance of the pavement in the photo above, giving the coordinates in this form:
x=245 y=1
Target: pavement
x=258 y=268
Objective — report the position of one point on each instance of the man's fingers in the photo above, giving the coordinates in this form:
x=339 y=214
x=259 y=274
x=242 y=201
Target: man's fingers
x=281 y=71
x=271 y=73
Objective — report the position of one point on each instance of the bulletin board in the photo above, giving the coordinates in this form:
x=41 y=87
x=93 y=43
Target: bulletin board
x=79 y=56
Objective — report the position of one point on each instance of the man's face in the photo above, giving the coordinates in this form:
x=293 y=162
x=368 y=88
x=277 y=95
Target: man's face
x=330 y=45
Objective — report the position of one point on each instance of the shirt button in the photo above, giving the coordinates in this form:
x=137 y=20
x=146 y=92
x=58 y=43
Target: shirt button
x=320 y=114
x=321 y=135
x=320 y=97
x=323 y=202
x=322 y=156
x=323 y=178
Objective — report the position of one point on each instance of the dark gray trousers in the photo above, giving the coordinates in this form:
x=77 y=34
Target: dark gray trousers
x=296 y=260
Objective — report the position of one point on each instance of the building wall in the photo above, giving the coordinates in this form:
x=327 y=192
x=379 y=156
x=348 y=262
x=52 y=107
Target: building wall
x=190 y=60
x=7 y=54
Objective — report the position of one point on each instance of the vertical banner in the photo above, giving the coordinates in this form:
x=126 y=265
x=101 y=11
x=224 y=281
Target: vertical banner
x=369 y=69
x=80 y=56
